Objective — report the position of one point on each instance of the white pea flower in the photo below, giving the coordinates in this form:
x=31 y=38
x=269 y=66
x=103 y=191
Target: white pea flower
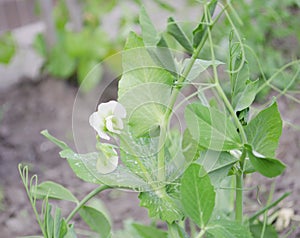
x=108 y=118
x=284 y=218
x=108 y=158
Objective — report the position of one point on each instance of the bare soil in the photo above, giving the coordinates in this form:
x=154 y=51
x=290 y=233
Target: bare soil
x=30 y=107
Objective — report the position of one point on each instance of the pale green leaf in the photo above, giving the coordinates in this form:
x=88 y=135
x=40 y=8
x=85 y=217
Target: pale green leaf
x=149 y=231
x=269 y=125
x=150 y=36
x=227 y=229
x=55 y=191
x=89 y=74
x=198 y=67
x=96 y=220
x=197 y=195
x=84 y=166
x=162 y=205
x=211 y=128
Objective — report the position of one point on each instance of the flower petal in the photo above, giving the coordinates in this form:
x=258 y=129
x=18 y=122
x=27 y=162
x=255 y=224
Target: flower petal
x=97 y=123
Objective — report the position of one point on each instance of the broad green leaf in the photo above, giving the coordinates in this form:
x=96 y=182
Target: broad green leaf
x=198 y=67
x=96 y=220
x=55 y=191
x=197 y=195
x=269 y=125
x=175 y=30
x=144 y=89
x=89 y=74
x=201 y=29
x=227 y=229
x=211 y=128
x=163 y=203
x=216 y=164
x=149 y=231
x=84 y=166
x=269 y=167
x=256 y=230
x=7 y=48
x=245 y=98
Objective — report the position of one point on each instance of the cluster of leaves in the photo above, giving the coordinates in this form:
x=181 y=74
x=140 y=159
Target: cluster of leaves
x=180 y=176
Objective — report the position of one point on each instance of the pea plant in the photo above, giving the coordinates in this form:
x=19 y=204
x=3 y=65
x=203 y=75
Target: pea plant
x=184 y=168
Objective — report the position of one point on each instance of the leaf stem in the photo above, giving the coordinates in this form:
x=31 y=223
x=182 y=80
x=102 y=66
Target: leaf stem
x=85 y=200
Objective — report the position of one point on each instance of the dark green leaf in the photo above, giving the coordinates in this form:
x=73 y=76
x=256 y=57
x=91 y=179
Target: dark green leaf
x=96 y=220
x=263 y=132
x=175 y=30
x=149 y=231
x=55 y=191
x=227 y=229
x=197 y=195
x=269 y=167
x=256 y=230
x=201 y=29
x=217 y=165
x=211 y=128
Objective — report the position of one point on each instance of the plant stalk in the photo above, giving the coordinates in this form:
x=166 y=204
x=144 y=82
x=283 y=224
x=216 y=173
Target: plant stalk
x=85 y=200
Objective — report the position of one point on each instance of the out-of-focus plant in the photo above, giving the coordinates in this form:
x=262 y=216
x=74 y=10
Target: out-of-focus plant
x=269 y=29
x=7 y=48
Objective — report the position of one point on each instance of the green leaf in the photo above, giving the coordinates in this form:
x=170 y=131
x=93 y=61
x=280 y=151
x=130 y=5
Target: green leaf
x=96 y=220
x=216 y=164
x=175 y=30
x=7 y=48
x=256 y=230
x=198 y=67
x=149 y=231
x=162 y=204
x=201 y=29
x=245 y=98
x=59 y=63
x=211 y=128
x=89 y=74
x=190 y=147
x=197 y=195
x=150 y=36
x=269 y=167
x=55 y=191
x=84 y=166
x=269 y=125
x=227 y=229
x=144 y=89
x=155 y=44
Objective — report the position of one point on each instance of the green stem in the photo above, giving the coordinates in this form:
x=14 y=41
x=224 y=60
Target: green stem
x=174 y=95
x=201 y=234
x=239 y=175
x=85 y=200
